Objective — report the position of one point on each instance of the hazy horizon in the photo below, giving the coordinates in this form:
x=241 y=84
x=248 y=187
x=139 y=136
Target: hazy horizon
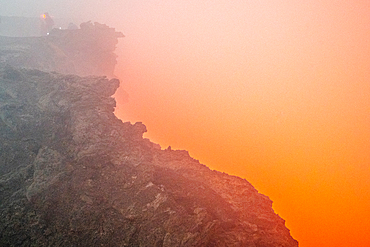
x=277 y=92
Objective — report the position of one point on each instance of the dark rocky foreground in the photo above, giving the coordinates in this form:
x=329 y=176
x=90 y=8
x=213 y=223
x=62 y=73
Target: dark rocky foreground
x=72 y=174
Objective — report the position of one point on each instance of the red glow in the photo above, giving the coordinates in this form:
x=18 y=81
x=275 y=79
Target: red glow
x=275 y=92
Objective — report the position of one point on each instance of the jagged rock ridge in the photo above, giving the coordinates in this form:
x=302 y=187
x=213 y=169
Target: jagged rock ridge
x=85 y=51
x=72 y=174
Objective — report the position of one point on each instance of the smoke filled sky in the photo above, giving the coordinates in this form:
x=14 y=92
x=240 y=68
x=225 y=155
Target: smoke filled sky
x=277 y=92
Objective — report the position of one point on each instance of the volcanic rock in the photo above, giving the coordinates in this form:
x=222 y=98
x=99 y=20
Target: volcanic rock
x=85 y=51
x=73 y=174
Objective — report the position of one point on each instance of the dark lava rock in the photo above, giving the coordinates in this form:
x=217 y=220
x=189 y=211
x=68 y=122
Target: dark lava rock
x=85 y=51
x=72 y=174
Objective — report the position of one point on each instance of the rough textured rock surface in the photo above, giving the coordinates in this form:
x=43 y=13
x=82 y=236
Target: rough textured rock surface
x=72 y=174
x=85 y=51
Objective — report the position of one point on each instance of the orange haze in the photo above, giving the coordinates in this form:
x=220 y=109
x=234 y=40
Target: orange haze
x=277 y=92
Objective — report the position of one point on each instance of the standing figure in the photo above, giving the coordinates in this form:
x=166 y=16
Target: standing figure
x=47 y=24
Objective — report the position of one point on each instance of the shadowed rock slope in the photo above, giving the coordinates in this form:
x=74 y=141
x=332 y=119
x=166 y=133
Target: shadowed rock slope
x=72 y=174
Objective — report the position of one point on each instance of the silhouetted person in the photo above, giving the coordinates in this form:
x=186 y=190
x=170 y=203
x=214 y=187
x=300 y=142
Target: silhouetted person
x=47 y=24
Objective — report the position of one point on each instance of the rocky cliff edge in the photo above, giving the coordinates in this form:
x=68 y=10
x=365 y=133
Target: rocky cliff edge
x=88 y=50
x=72 y=174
